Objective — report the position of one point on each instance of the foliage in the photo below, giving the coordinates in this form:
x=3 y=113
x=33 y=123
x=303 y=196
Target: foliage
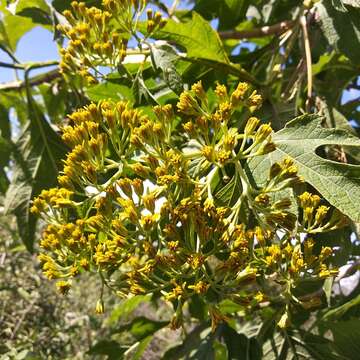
x=207 y=171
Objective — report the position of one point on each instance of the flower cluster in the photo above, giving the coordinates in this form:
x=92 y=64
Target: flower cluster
x=99 y=37
x=162 y=204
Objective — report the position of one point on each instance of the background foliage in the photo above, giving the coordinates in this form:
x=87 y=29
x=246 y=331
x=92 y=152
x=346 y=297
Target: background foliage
x=304 y=61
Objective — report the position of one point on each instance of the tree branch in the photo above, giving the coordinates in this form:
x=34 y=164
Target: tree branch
x=11 y=66
x=36 y=80
x=276 y=29
x=307 y=47
x=9 y=53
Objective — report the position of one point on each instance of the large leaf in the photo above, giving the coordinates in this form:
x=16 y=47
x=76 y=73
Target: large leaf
x=21 y=19
x=61 y=5
x=112 y=349
x=109 y=90
x=126 y=307
x=142 y=327
x=12 y=28
x=199 y=39
x=355 y=3
x=341 y=28
x=339 y=183
x=37 y=157
x=299 y=345
x=189 y=344
x=163 y=57
x=140 y=349
x=341 y=310
x=5 y=151
x=240 y=346
x=346 y=337
x=37 y=10
x=229 y=12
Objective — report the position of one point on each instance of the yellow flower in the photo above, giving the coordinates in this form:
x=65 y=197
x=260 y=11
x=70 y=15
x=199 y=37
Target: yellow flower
x=99 y=309
x=63 y=286
x=200 y=287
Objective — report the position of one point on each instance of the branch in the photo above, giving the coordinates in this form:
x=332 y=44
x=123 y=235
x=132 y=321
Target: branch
x=307 y=47
x=276 y=29
x=36 y=80
x=9 y=53
x=11 y=66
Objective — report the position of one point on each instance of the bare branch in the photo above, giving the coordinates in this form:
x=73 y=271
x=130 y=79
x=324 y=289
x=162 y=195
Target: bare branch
x=276 y=29
x=11 y=66
x=36 y=80
x=303 y=23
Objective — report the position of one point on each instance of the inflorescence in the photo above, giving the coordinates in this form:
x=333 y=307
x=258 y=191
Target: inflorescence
x=99 y=37
x=161 y=206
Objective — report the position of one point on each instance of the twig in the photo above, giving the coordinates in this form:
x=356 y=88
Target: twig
x=173 y=8
x=293 y=79
x=276 y=29
x=9 y=53
x=308 y=61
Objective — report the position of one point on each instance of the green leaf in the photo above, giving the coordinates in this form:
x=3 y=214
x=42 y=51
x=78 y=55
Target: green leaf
x=341 y=29
x=229 y=12
x=229 y=307
x=205 y=349
x=109 y=90
x=112 y=349
x=199 y=39
x=220 y=351
x=141 y=92
x=336 y=119
x=340 y=311
x=189 y=344
x=6 y=146
x=229 y=193
x=37 y=10
x=327 y=287
x=354 y=3
x=319 y=347
x=338 y=183
x=61 y=5
x=339 y=5
x=239 y=346
x=346 y=337
x=12 y=29
x=198 y=308
x=163 y=57
x=141 y=348
x=14 y=100
x=5 y=152
x=299 y=345
x=5 y=130
x=37 y=158
x=126 y=307
x=142 y=327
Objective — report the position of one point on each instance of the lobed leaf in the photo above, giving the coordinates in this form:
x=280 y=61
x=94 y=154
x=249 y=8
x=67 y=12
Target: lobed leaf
x=199 y=39
x=339 y=183
x=37 y=155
